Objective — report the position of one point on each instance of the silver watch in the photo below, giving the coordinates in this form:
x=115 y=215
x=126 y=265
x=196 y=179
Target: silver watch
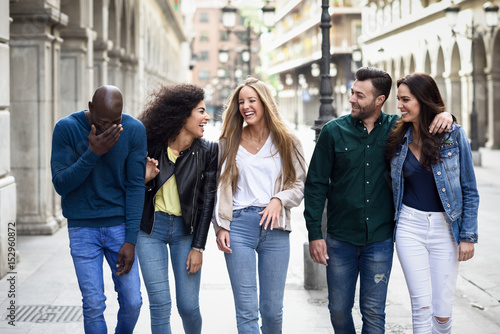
x=197 y=249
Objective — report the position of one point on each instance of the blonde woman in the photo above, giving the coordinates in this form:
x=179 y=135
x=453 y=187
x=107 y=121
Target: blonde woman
x=261 y=176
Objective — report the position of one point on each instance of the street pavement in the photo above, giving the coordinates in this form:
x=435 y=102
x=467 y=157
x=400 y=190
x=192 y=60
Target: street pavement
x=48 y=299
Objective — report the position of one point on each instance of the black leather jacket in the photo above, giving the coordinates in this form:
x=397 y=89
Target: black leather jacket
x=195 y=173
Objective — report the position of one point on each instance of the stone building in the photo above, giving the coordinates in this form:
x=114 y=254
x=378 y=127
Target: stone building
x=55 y=54
x=404 y=36
x=296 y=55
x=219 y=75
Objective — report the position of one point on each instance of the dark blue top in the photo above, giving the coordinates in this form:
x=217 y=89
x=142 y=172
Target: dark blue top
x=420 y=191
x=100 y=190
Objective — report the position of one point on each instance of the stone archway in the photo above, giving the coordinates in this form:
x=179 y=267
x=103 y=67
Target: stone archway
x=393 y=102
x=427 y=63
x=454 y=88
x=438 y=76
x=494 y=101
x=481 y=90
x=412 y=64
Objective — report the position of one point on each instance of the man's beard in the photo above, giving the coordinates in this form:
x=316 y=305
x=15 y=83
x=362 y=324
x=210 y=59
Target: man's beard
x=364 y=112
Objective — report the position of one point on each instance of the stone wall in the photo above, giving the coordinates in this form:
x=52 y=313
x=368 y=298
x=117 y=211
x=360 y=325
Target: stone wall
x=7 y=181
x=56 y=53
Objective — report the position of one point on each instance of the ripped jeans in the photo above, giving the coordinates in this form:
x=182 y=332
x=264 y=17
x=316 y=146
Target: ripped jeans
x=428 y=254
x=373 y=264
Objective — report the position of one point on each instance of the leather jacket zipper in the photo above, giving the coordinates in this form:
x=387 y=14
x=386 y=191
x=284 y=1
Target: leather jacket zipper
x=154 y=202
x=193 y=207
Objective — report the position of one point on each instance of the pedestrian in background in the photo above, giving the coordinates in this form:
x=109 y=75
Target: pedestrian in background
x=262 y=173
x=98 y=165
x=348 y=167
x=178 y=207
x=436 y=202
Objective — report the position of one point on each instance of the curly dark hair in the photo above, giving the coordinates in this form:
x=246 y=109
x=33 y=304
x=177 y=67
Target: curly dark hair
x=426 y=90
x=167 y=110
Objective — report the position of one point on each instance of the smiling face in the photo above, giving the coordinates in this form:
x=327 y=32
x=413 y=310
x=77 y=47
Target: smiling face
x=195 y=124
x=408 y=105
x=251 y=106
x=363 y=102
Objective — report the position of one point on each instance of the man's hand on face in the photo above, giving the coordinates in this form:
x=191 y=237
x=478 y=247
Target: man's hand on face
x=102 y=143
x=125 y=260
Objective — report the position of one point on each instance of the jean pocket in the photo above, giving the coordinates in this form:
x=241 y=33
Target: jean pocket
x=74 y=228
x=237 y=213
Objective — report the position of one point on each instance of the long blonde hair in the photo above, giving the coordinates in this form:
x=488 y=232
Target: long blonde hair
x=232 y=129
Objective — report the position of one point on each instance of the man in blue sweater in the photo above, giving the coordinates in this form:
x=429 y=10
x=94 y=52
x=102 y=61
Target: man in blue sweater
x=98 y=165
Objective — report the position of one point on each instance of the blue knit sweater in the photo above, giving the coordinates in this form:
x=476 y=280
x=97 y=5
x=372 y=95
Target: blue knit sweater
x=100 y=191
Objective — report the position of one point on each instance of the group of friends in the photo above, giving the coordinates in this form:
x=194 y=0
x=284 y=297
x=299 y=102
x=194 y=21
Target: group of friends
x=151 y=187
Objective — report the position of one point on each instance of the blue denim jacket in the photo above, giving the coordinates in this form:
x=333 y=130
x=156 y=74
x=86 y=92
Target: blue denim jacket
x=455 y=181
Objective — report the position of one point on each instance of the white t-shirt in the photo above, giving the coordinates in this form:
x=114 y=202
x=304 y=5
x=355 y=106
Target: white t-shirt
x=257 y=175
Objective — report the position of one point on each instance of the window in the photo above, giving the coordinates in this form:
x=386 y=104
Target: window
x=224 y=36
x=204 y=56
x=204 y=75
x=203 y=17
x=204 y=36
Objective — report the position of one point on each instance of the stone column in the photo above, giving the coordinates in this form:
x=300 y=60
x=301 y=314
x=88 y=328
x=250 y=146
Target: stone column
x=35 y=85
x=481 y=107
x=493 y=82
x=101 y=59
x=466 y=107
x=454 y=95
x=130 y=105
x=77 y=68
x=114 y=67
x=7 y=181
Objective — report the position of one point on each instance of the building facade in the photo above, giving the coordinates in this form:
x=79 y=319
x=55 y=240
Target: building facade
x=296 y=54
x=405 y=36
x=58 y=52
x=216 y=75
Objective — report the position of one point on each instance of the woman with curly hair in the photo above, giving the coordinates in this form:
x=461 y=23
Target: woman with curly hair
x=436 y=202
x=180 y=179
x=262 y=174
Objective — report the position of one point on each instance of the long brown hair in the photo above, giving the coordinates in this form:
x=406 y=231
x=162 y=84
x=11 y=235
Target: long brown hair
x=232 y=129
x=425 y=89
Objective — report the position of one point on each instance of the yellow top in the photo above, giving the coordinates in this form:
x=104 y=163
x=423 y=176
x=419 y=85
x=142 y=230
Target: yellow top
x=167 y=198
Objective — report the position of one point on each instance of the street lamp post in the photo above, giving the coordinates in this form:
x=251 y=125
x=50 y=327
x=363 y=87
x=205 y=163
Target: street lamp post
x=491 y=20
x=229 y=21
x=326 y=109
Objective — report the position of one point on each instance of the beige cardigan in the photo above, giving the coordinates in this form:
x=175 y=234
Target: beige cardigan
x=223 y=208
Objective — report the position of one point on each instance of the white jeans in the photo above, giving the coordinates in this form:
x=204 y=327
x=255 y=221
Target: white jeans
x=428 y=254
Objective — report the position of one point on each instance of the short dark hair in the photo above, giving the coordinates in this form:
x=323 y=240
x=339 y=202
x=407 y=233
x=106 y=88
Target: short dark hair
x=381 y=80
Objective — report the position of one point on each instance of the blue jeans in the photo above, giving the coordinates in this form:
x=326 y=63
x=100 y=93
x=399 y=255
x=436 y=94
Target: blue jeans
x=88 y=246
x=373 y=264
x=152 y=251
x=273 y=252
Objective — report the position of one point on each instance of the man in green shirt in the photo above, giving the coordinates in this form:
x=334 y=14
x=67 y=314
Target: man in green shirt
x=348 y=167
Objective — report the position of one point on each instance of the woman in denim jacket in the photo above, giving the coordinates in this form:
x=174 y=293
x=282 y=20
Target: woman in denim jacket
x=436 y=202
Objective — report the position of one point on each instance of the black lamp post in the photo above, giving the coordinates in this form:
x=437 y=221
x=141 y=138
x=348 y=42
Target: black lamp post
x=229 y=21
x=491 y=21
x=326 y=109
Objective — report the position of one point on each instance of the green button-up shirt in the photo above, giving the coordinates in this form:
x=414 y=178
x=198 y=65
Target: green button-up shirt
x=348 y=167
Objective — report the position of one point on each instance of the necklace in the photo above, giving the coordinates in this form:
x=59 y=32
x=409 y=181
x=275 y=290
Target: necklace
x=256 y=143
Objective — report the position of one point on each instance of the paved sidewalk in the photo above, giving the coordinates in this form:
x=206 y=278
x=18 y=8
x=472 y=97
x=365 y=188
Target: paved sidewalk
x=45 y=277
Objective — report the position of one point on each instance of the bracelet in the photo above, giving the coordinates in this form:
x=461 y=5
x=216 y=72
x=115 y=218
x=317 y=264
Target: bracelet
x=197 y=249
